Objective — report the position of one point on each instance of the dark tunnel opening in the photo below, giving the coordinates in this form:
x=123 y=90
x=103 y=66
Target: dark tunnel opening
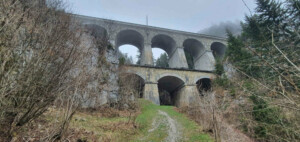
x=203 y=85
x=168 y=87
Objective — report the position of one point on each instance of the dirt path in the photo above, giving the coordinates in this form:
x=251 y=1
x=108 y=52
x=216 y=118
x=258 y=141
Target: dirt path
x=172 y=127
x=173 y=131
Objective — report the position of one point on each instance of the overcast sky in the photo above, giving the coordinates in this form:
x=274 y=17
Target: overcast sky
x=185 y=15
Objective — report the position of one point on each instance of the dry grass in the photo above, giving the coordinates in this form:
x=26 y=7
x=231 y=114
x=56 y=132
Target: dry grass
x=217 y=113
x=103 y=124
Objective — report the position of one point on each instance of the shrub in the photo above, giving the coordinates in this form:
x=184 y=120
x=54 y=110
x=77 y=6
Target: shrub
x=262 y=112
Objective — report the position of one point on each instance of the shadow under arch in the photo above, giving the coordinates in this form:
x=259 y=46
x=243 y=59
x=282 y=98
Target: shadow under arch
x=168 y=87
x=204 y=85
x=96 y=31
x=130 y=38
x=164 y=42
x=131 y=85
x=193 y=50
x=218 y=49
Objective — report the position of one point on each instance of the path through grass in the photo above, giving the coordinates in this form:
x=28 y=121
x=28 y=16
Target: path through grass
x=154 y=126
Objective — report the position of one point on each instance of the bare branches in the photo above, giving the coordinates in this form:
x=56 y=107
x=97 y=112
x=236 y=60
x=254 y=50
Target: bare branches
x=284 y=55
x=37 y=51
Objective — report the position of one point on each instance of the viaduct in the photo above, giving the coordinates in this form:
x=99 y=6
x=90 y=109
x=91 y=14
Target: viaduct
x=178 y=80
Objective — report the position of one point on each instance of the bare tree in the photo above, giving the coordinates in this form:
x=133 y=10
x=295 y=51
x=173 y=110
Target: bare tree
x=131 y=88
x=38 y=43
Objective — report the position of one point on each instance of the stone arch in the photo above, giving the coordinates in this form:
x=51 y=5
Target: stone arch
x=168 y=87
x=164 y=42
x=193 y=48
x=170 y=74
x=132 y=84
x=131 y=37
x=204 y=84
x=218 y=49
x=202 y=77
x=138 y=74
x=97 y=31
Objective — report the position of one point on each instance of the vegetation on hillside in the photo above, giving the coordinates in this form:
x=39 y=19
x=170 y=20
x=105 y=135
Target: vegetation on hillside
x=37 y=51
x=266 y=59
x=42 y=66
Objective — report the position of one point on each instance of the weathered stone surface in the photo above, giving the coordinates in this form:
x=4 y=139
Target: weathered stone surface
x=151 y=93
x=205 y=62
x=177 y=59
x=186 y=96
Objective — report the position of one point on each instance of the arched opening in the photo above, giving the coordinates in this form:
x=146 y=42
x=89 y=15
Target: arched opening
x=165 y=43
x=160 y=58
x=193 y=50
x=168 y=86
x=218 y=50
x=100 y=36
x=129 y=44
x=131 y=85
x=97 y=31
x=203 y=85
x=129 y=54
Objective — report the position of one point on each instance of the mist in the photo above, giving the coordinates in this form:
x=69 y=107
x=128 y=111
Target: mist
x=220 y=29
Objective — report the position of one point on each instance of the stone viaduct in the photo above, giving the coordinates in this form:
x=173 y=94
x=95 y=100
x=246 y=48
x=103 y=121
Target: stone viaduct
x=178 y=80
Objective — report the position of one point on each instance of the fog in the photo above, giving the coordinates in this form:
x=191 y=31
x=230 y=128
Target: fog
x=220 y=29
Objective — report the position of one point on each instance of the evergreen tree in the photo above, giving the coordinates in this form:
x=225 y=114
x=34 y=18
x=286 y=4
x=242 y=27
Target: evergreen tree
x=268 y=20
x=189 y=59
x=162 y=61
x=268 y=51
x=138 y=56
x=125 y=59
x=240 y=56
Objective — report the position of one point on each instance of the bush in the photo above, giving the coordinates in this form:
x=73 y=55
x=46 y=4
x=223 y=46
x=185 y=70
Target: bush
x=262 y=112
x=222 y=81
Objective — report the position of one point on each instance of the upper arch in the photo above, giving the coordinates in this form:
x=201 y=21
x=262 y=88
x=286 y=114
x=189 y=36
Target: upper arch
x=194 y=47
x=218 y=49
x=138 y=74
x=96 y=30
x=131 y=37
x=170 y=74
x=164 y=42
x=170 y=83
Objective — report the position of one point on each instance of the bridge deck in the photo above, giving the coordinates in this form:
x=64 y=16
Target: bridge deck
x=166 y=68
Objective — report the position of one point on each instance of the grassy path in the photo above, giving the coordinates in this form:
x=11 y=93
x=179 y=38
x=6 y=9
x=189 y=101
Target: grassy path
x=164 y=124
x=154 y=124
